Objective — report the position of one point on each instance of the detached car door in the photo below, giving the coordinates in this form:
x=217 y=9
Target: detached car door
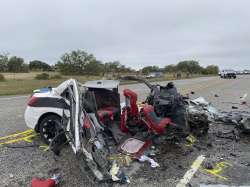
x=73 y=124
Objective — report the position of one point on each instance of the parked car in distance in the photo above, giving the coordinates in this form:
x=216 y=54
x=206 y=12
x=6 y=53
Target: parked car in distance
x=228 y=74
x=154 y=75
x=246 y=72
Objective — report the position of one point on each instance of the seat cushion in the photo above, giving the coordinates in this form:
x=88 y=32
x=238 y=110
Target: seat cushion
x=107 y=113
x=156 y=123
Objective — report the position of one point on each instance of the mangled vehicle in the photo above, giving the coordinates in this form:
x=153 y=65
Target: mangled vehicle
x=100 y=128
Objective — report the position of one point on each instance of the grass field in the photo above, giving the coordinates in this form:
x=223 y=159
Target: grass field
x=25 y=83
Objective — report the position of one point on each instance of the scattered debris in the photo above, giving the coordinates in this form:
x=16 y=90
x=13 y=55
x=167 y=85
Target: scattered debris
x=114 y=171
x=11 y=175
x=52 y=182
x=191 y=140
x=232 y=135
x=107 y=138
x=245 y=124
x=243 y=99
x=117 y=175
x=153 y=163
x=122 y=159
x=234 y=107
x=208 y=165
x=233 y=154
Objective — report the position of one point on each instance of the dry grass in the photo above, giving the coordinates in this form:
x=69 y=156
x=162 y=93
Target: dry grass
x=27 y=84
x=23 y=76
x=24 y=83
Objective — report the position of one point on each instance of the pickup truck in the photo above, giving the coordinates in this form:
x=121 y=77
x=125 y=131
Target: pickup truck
x=228 y=74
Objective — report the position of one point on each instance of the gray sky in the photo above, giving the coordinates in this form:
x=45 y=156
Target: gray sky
x=135 y=32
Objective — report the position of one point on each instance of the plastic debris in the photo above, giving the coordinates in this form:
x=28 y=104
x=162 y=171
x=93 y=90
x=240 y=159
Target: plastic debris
x=132 y=146
x=208 y=165
x=153 y=163
x=114 y=171
x=191 y=140
x=52 y=182
x=117 y=175
x=245 y=124
x=243 y=99
x=122 y=159
x=200 y=101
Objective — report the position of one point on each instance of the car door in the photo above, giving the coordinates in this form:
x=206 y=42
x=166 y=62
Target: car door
x=73 y=123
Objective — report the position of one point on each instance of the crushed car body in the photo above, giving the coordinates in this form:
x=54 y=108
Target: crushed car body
x=101 y=130
x=107 y=135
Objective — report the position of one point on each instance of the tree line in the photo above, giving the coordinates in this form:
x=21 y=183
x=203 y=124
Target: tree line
x=187 y=66
x=79 y=62
x=191 y=67
x=16 y=64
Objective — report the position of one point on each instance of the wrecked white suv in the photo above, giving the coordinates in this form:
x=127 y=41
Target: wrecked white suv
x=100 y=132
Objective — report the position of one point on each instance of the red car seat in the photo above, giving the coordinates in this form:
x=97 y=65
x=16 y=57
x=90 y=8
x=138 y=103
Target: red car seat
x=155 y=123
x=131 y=102
x=106 y=113
x=131 y=111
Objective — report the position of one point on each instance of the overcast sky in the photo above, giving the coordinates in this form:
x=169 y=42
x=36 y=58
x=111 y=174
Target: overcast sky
x=135 y=32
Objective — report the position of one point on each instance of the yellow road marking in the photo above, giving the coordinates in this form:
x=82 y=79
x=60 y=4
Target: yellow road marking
x=218 y=169
x=17 y=134
x=22 y=136
x=44 y=147
x=190 y=173
x=17 y=137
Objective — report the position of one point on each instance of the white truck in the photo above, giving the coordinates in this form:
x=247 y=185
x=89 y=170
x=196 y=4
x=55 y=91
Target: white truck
x=228 y=74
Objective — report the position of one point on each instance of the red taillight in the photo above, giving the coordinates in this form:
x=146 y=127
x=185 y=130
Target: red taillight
x=32 y=101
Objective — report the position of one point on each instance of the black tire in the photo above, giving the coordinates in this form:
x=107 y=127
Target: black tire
x=49 y=127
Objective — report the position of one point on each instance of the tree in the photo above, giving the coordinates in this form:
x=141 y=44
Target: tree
x=112 y=67
x=16 y=65
x=74 y=62
x=94 y=68
x=149 y=69
x=189 y=66
x=170 y=68
x=39 y=65
x=4 y=62
x=211 y=70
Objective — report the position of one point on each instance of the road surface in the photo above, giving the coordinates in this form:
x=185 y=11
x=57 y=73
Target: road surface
x=18 y=166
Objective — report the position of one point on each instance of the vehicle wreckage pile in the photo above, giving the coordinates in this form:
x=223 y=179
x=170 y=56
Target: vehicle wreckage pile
x=107 y=136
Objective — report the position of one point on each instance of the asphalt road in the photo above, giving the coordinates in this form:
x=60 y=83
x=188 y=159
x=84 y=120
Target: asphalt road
x=18 y=166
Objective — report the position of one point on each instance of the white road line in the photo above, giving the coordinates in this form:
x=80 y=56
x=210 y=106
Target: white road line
x=190 y=173
x=14 y=97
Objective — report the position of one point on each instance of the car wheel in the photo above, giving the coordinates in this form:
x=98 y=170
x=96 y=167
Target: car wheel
x=50 y=127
